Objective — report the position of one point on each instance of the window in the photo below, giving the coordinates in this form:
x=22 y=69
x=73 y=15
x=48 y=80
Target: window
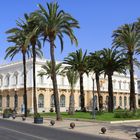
x=62 y=81
x=62 y=101
x=16 y=79
x=1 y=82
x=125 y=101
x=16 y=101
x=7 y=80
x=40 y=101
x=120 y=85
x=79 y=100
x=120 y=101
x=124 y=85
x=22 y=78
x=95 y=101
x=52 y=100
x=41 y=79
x=7 y=101
x=128 y=85
x=0 y=100
x=114 y=84
x=114 y=100
x=106 y=100
x=129 y=100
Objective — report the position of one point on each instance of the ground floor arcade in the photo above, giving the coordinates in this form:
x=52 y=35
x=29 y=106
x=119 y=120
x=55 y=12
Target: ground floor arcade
x=13 y=98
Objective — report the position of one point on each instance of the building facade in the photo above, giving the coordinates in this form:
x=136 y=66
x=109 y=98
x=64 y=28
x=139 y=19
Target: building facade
x=11 y=89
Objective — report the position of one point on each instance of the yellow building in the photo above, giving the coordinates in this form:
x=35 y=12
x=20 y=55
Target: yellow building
x=11 y=89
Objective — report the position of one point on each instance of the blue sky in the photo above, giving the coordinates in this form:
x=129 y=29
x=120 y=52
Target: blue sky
x=97 y=19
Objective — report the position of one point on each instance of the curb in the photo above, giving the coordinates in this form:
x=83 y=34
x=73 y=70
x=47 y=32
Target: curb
x=77 y=119
x=125 y=121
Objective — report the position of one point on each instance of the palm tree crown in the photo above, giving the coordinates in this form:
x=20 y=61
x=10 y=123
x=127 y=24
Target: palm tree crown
x=79 y=62
x=55 y=23
x=127 y=38
x=113 y=61
x=47 y=69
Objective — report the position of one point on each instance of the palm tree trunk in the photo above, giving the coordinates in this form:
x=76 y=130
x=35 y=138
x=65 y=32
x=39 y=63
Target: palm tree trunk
x=25 y=88
x=54 y=81
x=82 y=94
x=71 y=104
x=99 y=93
x=132 y=86
x=34 y=80
x=110 y=91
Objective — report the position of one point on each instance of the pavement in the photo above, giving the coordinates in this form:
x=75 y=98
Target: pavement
x=16 y=130
x=122 y=131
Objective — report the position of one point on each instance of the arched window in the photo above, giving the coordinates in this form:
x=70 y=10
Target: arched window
x=120 y=87
x=7 y=80
x=62 y=80
x=62 y=101
x=120 y=101
x=22 y=78
x=41 y=79
x=1 y=81
x=52 y=100
x=0 y=100
x=16 y=101
x=7 y=101
x=80 y=100
x=15 y=79
x=124 y=85
x=129 y=100
x=106 y=100
x=95 y=101
x=128 y=85
x=114 y=100
x=40 y=101
x=125 y=101
x=114 y=84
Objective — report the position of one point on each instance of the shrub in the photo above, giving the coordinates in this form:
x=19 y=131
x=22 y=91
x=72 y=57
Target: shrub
x=125 y=114
x=99 y=112
x=8 y=111
x=37 y=115
x=51 y=109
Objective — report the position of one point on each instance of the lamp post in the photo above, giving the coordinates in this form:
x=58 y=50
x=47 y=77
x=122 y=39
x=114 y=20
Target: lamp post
x=93 y=105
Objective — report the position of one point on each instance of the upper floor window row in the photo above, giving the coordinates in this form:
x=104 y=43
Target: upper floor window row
x=9 y=79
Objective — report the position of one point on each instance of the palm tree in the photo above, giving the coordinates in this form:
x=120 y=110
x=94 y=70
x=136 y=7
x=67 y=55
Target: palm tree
x=95 y=65
x=127 y=38
x=32 y=31
x=47 y=70
x=72 y=77
x=18 y=37
x=79 y=62
x=55 y=24
x=113 y=61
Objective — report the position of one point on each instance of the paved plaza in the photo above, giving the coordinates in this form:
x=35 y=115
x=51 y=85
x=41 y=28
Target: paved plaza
x=123 y=131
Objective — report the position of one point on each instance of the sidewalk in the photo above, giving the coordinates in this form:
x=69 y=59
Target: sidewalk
x=125 y=131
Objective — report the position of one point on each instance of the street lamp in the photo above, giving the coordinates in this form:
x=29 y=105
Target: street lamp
x=93 y=105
